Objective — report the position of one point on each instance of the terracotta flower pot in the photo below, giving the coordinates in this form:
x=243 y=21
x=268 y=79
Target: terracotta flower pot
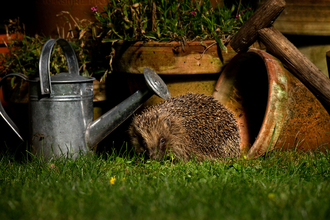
x=274 y=109
x=187 y=69
x=5 y=38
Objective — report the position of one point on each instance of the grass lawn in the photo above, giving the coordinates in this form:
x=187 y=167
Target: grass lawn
x=283 y=185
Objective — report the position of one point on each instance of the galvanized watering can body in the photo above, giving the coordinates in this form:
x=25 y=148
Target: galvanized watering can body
x=61 y=107
x=58 y=123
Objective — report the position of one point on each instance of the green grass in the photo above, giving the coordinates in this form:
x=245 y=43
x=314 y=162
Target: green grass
x=285 y=185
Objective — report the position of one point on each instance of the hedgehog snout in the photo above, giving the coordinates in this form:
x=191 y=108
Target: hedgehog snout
x=152 y=152
x=160 y=149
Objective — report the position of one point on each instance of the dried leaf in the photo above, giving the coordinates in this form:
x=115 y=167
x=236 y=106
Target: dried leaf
x=82 y=33
x=136 y=5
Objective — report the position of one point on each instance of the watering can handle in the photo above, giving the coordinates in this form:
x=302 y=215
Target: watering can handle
x=3 y=113
x=44 y=62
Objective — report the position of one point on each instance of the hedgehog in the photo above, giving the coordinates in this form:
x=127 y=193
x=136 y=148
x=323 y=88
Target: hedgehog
x=187 y=126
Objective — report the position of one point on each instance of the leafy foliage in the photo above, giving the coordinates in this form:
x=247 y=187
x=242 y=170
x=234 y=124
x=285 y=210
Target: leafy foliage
x=24 y=51
x=129 y=20
x=169 y=20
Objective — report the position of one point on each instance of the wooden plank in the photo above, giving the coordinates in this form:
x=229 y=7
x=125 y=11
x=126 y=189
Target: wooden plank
x=305 y=18
x=304 y=28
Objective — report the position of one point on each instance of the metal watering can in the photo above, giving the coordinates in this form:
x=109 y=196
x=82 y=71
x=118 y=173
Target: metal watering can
x=61 y=107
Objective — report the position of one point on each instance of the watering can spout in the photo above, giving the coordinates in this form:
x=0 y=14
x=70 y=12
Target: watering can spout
x=104 y=125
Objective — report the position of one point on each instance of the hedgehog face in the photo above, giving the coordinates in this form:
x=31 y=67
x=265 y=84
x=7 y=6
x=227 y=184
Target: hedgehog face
x=151 y=136
x=155 y=149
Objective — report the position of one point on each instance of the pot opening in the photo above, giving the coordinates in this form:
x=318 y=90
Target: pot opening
x=243 y=88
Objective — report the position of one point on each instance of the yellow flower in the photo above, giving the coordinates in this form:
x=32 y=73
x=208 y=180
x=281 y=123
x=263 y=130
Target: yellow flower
x=271 y=196
x=112 y=180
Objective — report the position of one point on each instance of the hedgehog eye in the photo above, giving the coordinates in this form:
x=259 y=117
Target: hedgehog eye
x=162 y=141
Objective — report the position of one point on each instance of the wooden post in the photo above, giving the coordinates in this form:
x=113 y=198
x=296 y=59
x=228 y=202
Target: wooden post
x=263 y=17
x=297 y=63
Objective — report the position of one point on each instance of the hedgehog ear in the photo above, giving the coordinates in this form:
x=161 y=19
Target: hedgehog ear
x=168 y=122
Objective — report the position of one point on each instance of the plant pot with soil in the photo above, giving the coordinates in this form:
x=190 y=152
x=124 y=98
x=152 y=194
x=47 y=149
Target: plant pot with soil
x=187 y=43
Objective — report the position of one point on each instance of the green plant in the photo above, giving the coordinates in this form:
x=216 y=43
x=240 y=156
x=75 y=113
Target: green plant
x=130 y=20
x=169 y=20
x=24 y=51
